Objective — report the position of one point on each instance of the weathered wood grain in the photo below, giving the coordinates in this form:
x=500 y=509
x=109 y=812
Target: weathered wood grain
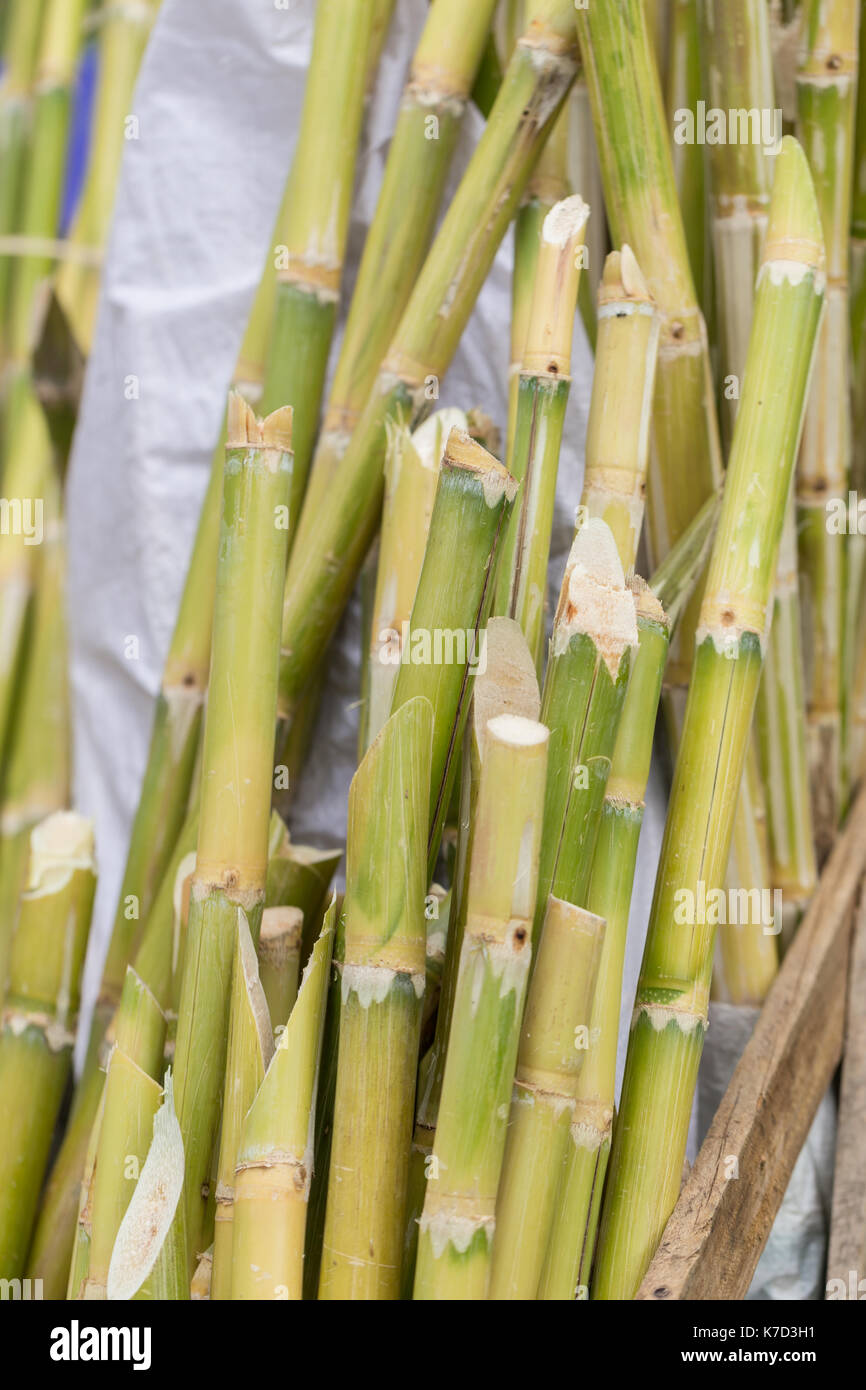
x=847 y=1253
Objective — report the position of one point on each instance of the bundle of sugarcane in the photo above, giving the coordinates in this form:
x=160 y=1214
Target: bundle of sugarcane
x=412 y=1094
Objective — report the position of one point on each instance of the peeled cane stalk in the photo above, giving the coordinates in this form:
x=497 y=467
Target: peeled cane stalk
x=507 y=685
x=553 y=1045
x=826 y=89
x=620 y=409
x=411 y=475
x=458 y=1219
x=594 y=634
x=275 y=1158
x=426 y=338
x=542 y=394
x=422 y=145
x=237 y=773
x=132 y=1098
x=248 y=1055
x=148 y=1261
x=382 y=985
x=643 y=210
x=315 y=225
x=671 y=1005
x=445 y=642
x=39 y=1018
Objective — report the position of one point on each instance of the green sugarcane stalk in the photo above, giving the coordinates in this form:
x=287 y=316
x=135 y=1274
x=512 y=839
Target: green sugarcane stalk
x=671 y=1005
x=641 y=201
x=20 y=47
x=275 y=1157
x=248 y=1055
x=507 y=685
x=36 y=778
x=826 y=89
x=857 y=305
x=237 y=773
x=567 y=1257
x=123 y=34
x=682 y=86
x=440 y=79
x=738 y=74
x=620 y=408
x=426 y=338
x=543 y=385
x=132 y=1098
x=594 y=634
x=39 y=1018
x=458 y=1219
x=443 y=647
x=412 y=466
x=553 y=1045
x=148 y=1261
x=382 y=985
x=314 y=225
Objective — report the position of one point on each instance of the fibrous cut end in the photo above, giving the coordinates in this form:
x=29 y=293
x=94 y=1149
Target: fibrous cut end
x=462 y=451
x=516 y=731
x=59 y=844
x=565 y=221
x=595 y=599
x=244 y=428
x=622 y=279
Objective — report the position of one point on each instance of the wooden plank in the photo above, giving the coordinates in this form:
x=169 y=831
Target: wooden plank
x=846 y=1260
x=720 y=1224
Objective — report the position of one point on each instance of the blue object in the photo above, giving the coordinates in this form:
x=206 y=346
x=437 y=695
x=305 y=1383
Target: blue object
x=79 y=135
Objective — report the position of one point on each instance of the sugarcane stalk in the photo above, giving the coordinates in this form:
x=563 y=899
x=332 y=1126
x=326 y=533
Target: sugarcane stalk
x=568 y=1255
x=507 y=685
x=683 y=88
x=857 y=304
x=312 y=235
x=826 y=88
x=458 y=1219
x=426 y=338
x=594 y=634
x=382 y=985
x=148 y=1260
x=543 y=385
x=553 y=1044
x=422 y=145
x=412 y=466
x=643 y=210
x=671 y=1005
x=39 y=1018
x=59 y=41
x=275 y=1158
x=132 y=1098
x=20 y=47
x=36 y=778
x=442 y=648
x=620 y=408
x=123 y=34
x=299 y=876
x=237 y=772
x=279 y=955
x=248 y=1055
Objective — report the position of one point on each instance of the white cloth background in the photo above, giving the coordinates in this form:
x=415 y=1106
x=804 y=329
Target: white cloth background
x=217 y=107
